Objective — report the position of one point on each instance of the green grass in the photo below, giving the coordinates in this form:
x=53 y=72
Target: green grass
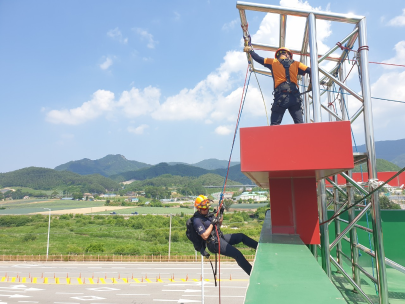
x=26 y=206
x=150 y=210
x=103 y=234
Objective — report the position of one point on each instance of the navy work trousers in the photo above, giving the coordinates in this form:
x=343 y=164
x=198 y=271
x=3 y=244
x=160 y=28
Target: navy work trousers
x=227 y=240
x=282 y=102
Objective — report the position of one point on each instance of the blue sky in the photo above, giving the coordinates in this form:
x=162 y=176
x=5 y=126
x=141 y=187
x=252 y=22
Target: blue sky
x=159 y=80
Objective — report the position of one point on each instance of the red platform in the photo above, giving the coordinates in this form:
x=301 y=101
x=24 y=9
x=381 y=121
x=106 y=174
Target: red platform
x=289 y=159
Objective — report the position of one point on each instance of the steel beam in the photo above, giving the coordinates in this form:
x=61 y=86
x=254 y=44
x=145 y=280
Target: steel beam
x=314 y=68
x=347 y=18
x=354 y=183
x=331 y=113
x=337 y=223
x=349 y=226
x=273 y=48
x=341 y=84
x=357 y=226
x=283 y=30
x=371 y=253
x=244 y=25
x=359 y=290
x=335 y=185
x=336 y=46
x=357 y=114
x=372 y=169
x=353 y=233
x=260 y=71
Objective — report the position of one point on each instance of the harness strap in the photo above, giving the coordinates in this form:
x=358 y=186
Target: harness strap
x=286 y=64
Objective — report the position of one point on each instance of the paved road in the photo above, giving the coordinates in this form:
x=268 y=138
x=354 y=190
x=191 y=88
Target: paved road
x=113 y=283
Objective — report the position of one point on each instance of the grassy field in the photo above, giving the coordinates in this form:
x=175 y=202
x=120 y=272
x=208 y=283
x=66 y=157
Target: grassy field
x=17 y=207
x=31 y=206
x=105 y=234
x=152 y=210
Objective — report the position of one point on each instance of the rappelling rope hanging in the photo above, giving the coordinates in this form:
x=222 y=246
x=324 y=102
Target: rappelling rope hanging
x=264 y=103
x=220 y=203
x=248 y=42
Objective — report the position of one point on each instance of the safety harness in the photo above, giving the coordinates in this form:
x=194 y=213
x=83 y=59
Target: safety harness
x=287 y=86
x=199 y=244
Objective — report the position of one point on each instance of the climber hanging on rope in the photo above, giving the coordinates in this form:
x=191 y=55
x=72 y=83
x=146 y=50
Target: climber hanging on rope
x=204 y=222
x=286 y=94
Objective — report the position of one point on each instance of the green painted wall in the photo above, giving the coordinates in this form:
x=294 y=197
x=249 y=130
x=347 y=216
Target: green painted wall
x=393 y=224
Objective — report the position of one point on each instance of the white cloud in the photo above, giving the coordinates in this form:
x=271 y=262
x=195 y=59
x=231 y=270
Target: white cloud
x=296 y=26
x=139 y=102
x=145 y=35
x=138 y=130
x=399 y=57
x=230 y=25
x=203 y=98
x=223 y=130
x=132 y=104
x=217 y=97
x=102 y=102
x=398 y=20
x=106 y=63
x=117 y=35
x=176 y=16
x=388 y=116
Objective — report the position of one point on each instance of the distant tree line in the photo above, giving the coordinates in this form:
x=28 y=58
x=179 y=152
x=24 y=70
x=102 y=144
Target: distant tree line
x=48 y=179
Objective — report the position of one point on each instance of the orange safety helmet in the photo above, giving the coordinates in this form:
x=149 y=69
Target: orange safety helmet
x=282 y=49
x=202 y=202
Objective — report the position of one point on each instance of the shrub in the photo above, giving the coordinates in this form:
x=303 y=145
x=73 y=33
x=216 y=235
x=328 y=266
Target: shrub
x=74 y=249
x=237 y=218
x=95 y=248
x=29 y=238
x=158 y=249
x=127 y=250
x=15 y=221
x=236 y=225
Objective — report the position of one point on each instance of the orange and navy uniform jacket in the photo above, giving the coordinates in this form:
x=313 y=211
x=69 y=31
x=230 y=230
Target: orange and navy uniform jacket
x=278 y=70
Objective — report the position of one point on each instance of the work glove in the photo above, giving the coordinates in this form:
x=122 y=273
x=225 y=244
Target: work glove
x=214 y=220
x=248 y=49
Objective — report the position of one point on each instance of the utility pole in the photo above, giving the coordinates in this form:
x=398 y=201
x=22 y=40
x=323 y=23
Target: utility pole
x=49 y=229
x=170 y=234
x=202 y=279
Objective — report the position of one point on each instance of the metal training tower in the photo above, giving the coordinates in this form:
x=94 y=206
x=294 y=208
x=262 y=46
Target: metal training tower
x=319 y=162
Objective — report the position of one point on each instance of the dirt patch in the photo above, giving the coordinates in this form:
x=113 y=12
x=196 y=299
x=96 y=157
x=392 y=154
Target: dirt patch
x=84 y=210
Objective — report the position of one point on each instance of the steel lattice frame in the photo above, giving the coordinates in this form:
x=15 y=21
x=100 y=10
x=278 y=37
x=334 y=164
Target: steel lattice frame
x=309 y=41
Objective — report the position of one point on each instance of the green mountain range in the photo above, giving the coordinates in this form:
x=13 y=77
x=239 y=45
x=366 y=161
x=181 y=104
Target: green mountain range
x=180 y=170
x=391 y=150
x=48 y=179
x=382 y=166
x=106 y=166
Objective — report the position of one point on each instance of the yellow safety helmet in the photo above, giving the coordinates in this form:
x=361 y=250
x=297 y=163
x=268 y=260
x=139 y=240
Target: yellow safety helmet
x=282 y=49
x=202 y=202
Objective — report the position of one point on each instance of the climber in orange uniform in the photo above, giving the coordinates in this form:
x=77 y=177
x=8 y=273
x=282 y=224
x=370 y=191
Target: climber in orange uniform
x=286 y=94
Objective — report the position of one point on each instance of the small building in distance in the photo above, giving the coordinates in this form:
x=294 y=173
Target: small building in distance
x=227 y=195
x=108 y=195
x=252 y=195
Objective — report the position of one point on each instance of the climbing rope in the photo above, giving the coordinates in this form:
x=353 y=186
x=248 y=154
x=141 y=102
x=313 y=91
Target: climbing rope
x=264 y=103
x=220 y=203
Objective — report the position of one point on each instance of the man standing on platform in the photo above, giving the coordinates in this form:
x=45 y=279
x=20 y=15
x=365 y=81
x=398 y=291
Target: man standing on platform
x=286 y=94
